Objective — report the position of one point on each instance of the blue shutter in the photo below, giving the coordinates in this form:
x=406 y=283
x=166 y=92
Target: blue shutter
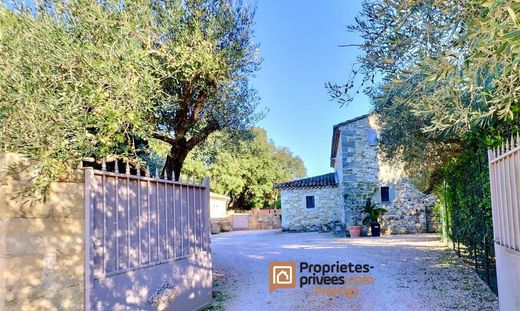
x=372 y=137
x=391 y=194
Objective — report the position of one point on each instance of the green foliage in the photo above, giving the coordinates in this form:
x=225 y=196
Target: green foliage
x=444 y=79
x=439 y=72
x=453 y=64
x=205 y=68
x=466 y=208
x=246 y=169
x=72 y=83
x=373 y=213
x=94 y=79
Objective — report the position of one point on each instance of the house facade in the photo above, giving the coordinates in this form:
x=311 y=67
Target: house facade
x=312 y=204
x=333 y=201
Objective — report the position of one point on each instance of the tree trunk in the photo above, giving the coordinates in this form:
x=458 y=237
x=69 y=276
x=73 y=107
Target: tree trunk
x=174 y=162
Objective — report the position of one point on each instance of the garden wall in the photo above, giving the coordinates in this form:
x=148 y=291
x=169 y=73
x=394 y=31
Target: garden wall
x=41 y=245
x=265 y=219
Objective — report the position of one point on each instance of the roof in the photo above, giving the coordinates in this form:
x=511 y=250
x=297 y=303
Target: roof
x=326 y=180
x=335 y=136
x=219 y=196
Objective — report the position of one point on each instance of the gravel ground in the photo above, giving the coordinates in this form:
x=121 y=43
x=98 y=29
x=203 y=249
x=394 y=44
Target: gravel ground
x=411 y=272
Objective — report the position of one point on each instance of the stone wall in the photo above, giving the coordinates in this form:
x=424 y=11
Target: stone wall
x=326 y=215
x=410 y=212
x=41 y=245
x=364 y=171
x=262 y=219
x=359 y=170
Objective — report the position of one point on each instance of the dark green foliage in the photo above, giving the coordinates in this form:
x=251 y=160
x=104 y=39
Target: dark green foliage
x=466 y=209
x=444 y=80
x=246 y=169
x=373 y=213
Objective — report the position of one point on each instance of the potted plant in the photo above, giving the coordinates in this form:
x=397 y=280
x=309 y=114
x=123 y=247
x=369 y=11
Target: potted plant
x=373 y=213
x=354 y=230
x=215 y=226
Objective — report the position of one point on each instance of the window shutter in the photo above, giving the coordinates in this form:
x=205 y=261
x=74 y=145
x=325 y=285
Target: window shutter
x=385 y=194
x=372 y=137
x=309 y=201
x=391 y=194
x=377 y=195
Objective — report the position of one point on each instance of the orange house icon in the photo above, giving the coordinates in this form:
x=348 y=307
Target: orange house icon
x=282 y=275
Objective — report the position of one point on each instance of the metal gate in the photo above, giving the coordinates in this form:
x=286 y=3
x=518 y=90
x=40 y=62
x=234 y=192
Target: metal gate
x=147 y=243
x=504 y=174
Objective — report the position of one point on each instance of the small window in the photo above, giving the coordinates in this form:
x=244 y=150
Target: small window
x=309 y=201
x=372 y=137
x=385 y=194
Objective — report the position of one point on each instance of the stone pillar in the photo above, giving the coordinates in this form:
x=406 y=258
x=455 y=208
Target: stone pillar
x=41 y=244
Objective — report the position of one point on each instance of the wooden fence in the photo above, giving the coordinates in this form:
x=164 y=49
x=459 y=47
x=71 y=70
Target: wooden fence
x=149 y=233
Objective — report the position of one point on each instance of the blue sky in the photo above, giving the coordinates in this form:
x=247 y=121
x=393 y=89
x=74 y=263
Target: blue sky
x=299 y=43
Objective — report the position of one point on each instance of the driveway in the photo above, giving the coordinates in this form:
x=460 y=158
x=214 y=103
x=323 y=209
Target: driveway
x=410 y=272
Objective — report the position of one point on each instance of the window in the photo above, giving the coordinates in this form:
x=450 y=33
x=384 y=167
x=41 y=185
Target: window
x=309 y=201
x=372 y=137
x=385 y=194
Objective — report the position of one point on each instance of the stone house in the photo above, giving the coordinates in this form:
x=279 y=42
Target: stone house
x=335 y=200
x=312 y=204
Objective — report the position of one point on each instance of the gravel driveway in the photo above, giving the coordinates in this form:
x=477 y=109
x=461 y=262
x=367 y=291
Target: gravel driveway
x=411 y=272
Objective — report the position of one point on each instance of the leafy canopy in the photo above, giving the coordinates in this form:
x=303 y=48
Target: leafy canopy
x=96 y=79
x=439 y=73
x=206 y=58
x=247 y=170
x=74 y=82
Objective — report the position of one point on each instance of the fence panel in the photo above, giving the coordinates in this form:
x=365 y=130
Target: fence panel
x=504 y=174
x=147 y=242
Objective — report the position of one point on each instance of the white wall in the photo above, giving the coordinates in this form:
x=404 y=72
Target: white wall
x=508 y=278
x=218 y=205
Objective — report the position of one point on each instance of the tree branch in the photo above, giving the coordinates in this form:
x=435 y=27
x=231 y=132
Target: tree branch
x=198 y=106
x=165 y=138
x=186 y=94
x=210 y=128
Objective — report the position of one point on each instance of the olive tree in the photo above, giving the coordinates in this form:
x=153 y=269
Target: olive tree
x=205 y=58
x=82 y=78
x=75 y=81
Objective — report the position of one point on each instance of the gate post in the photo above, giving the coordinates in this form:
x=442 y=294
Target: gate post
x=89 y=181
x=504 y=169
x=206 y=223
x=492 y=190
